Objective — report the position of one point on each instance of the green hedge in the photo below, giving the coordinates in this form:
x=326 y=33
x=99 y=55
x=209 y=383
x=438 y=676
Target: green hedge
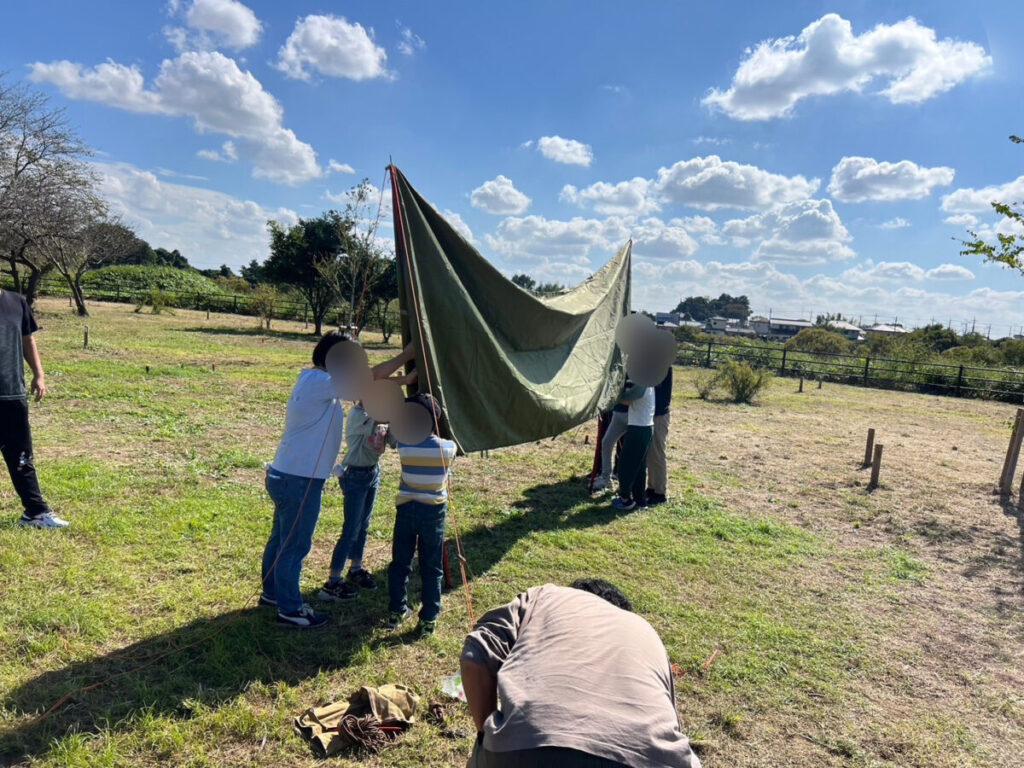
x=131 y=279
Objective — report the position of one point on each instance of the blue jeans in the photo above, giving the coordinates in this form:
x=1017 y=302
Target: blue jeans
x=417 y=525
x=296 y=509
x=359 y=486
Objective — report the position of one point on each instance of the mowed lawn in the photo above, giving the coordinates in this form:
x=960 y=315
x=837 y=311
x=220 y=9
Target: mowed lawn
x=810 y=623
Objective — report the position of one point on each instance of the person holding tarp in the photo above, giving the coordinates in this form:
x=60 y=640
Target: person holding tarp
x=313 y=428
x=617 y=426
x=657 y=456
x=582 y=682
x=635 y=444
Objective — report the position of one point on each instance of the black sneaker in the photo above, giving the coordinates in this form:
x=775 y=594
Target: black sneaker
x=304 y=618
x=336 y=591
x=264 y=600
x=654 y=499
x=362 y=579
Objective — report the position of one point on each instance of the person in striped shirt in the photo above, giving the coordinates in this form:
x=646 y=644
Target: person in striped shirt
x=421 y=506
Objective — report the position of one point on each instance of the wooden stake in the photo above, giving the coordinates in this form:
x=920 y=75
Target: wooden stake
x=876 y=467
x=801 y=384
x=870 y=446
x=1012 y=454
x=820 y=382
x=85 y=343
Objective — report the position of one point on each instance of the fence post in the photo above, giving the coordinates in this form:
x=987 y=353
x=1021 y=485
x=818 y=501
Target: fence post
x=876 y=467
x=867 y=367
x=870 y=446
x=782 y=371
x=1012 y=454
x=234 y=304
x=85 y=343
x=119 y=292
x=959 y=380
x=708 y=365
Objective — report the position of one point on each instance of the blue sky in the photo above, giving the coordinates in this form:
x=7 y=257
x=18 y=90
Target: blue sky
x=815 y=157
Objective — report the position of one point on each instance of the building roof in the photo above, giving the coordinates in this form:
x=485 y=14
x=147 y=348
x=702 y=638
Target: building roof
x=842 y=325
x=883 y=328
x=797 y=323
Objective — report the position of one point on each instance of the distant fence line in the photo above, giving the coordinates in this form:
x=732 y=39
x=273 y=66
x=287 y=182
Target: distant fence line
x=238 y=304
x=879 y=372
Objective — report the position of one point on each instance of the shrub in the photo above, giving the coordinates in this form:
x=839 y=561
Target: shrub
x=743 y=382
x=707 y=382
x=160 y=300
x=263 y=302
x=133 y=279
x=819 y=341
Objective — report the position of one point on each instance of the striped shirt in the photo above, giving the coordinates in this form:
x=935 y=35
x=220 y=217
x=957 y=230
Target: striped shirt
x=425 y=469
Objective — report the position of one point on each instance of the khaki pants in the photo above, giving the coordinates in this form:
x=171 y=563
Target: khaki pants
x=657 y=459
x=544 y=757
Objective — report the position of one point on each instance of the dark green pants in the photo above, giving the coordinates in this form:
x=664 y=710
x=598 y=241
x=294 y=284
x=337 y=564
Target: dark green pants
x=542 y=757
x=633 y=463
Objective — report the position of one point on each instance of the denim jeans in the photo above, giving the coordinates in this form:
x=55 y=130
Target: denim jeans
x=417 y=526
x=296 y=509
x=359 y=486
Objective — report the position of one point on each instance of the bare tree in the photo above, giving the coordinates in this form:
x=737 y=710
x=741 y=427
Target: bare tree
x=40 y=156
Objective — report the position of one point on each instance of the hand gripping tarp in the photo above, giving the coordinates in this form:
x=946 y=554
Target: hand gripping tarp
x=507 y=366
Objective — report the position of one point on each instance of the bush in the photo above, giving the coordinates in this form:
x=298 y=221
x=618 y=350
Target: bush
x=132 y=280
x=160 y=300
x=819 y=341
x=707 y=382
x=743 y=382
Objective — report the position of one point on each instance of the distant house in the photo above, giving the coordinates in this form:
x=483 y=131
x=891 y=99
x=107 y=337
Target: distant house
x=887 y=330
x=778 y=328
x=849 y=330
x=668 y=319
x=721 y=324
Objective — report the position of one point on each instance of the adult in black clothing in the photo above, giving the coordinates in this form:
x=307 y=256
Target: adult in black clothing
x=657 y=458
x=17 y=345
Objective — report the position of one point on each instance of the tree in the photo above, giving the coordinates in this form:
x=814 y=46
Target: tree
x=82 y=236
x=820 y=341
x=253 y=273
x=1008 y=249
x=383 y=295
x=301 y=254
x=548 y=288
x=40 y=156
x=524 y=281
x=703 y=308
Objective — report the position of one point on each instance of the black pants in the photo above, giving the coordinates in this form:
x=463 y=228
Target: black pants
x=16 y=446
x=633 y=464
x=542 y=757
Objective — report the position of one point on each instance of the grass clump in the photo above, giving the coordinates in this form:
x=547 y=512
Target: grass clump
x=742 y=382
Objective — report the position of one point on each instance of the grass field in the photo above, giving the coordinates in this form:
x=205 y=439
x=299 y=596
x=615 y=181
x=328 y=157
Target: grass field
x=851 y=629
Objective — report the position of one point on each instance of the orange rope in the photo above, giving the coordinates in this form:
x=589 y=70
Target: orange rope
x=396 y=202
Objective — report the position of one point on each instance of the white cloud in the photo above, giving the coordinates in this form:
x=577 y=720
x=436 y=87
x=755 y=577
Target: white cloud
x=333 y=166
x=888 y=271
x=333 y=47
x=858 y=179
x=174 y=174
x=206 y=86
x=227 y=154
x=535 y=238
x=653 y=238
x=709 y=183
x=229 y=20
x=499 y=196
x=208 y=227
x=618 y=90
x=410 y=42
x=968 y=220
x=568 y=151
x=703 y=227
x=459 y=224
x=807 y=231
x=625 y=198
x=970 y=200
x=897 y=223
x=827 y=58
x=949 y=272
x=713 y=140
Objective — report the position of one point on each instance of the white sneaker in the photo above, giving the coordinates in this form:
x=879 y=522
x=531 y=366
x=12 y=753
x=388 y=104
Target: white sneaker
x=599 y=484
x=45 y=520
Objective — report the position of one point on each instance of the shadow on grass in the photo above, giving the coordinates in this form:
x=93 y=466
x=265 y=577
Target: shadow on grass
x=206 y=662
x=271 y=334
x=546 y=507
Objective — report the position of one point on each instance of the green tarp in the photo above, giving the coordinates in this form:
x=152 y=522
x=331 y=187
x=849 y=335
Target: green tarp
x=507 y=366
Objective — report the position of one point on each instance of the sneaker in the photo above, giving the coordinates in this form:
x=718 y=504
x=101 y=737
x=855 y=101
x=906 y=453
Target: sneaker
x=45 y=520
x=336 y=591
x=425 y=628
x=304 y=618
x=654 y=499
x=264 y=600
x=625 y=505
x=397 y=617
x=362 y=579
x=600 y=484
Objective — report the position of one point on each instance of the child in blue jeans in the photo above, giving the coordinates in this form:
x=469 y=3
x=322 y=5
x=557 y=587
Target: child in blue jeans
x=421 y=506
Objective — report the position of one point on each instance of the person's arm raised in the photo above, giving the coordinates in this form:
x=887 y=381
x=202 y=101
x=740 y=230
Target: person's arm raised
x=388 y=367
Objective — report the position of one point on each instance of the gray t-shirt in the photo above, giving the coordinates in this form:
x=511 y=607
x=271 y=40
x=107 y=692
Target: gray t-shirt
x=576 y=672
x=16 y=322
